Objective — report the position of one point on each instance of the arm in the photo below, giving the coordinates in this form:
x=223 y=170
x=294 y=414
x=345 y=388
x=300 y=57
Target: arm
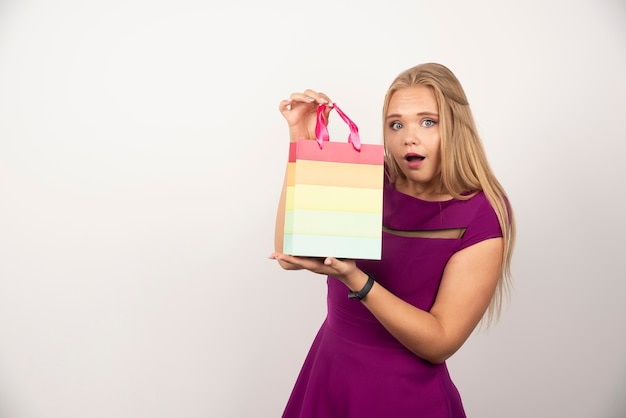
x=467 y=286
x=300 y=111
x=280 y=218
x=280 y=228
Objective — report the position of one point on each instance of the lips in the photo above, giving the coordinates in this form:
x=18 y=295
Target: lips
x=414 y=160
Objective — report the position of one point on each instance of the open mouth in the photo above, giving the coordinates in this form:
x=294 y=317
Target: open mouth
x=414 y=157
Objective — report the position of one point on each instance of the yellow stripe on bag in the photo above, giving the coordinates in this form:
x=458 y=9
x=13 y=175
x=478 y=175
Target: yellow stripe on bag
x=289 y=198
x=338 y=174
x=340 y=199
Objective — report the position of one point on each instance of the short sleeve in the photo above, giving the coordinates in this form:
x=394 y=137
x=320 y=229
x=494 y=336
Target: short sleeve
x=483 y=225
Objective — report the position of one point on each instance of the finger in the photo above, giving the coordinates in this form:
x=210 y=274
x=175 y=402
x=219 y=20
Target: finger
x=288 y=104
x=323 y=98
x=284 y=105
x=302 y=98
x=310 y=96
x=335 y=263
x=326 y=113
x=319 y=97
x=314 y=264
x=287 y=258
x=339 y=266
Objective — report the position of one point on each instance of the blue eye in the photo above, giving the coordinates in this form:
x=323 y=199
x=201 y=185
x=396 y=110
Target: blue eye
x=428 y=123
x=395 y=125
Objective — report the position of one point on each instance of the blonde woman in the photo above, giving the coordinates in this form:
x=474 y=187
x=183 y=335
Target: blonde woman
x=448 y=234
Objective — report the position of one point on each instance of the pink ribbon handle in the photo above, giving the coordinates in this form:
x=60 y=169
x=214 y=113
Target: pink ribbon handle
x=321 y=128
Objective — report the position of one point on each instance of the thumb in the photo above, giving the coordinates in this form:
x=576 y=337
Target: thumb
x=327 y=111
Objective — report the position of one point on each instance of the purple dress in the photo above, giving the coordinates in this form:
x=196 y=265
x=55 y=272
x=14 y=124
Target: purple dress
x=355 y=368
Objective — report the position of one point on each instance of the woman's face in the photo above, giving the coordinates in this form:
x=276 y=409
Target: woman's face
x=412 y=139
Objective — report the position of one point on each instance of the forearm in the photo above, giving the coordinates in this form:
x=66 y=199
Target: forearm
x=301 y=113
x=280 y=218
x=419 y=331
x=295 y=133
x=465 y=291
x=279 y=231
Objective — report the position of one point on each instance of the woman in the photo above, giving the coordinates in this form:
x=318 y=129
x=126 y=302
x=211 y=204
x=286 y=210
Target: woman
x=448 y=233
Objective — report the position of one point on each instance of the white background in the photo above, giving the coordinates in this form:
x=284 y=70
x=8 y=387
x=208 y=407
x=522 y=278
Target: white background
x=141 y=159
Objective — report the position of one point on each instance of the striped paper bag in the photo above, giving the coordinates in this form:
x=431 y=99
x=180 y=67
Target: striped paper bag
x=334 y=196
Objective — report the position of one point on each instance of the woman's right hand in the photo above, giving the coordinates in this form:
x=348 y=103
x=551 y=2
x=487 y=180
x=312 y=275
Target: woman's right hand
x=300 y=111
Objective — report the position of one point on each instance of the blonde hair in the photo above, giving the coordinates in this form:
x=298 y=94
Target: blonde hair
x=464 y=165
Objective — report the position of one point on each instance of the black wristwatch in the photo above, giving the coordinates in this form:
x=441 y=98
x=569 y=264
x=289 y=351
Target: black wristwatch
x=363 y=292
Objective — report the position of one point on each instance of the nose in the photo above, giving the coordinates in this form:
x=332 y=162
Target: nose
x=411 y=138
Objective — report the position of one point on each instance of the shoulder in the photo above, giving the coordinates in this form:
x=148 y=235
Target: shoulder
x=473 y=206
x=482 y=220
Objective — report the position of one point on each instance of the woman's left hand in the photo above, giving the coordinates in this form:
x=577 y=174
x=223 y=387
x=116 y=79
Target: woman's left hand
x=344 y=270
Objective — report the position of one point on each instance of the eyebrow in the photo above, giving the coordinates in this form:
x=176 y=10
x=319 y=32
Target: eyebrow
x=397 y=115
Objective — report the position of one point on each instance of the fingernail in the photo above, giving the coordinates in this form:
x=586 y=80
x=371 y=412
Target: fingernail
x=309 y=99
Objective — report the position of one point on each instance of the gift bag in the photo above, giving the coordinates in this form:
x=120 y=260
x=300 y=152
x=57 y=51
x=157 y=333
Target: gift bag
x=334 y=196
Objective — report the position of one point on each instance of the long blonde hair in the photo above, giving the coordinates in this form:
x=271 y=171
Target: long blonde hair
x=464 y=165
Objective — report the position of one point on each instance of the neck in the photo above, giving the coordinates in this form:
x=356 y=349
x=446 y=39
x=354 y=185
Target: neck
x=424 y=192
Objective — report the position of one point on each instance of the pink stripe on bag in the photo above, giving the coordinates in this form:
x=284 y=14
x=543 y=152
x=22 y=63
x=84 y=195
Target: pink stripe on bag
x=336 y=152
